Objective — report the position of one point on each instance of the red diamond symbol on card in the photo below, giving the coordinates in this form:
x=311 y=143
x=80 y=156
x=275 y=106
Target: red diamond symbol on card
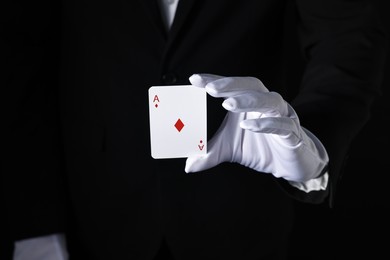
x=179 y=125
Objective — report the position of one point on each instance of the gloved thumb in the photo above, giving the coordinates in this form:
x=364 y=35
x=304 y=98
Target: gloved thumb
x=196 y=163
x=206 y=161
x=217 y=152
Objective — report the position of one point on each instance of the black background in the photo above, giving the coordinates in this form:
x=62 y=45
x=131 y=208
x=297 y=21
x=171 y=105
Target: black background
x=358 y=224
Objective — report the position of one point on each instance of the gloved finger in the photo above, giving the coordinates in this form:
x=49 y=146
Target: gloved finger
x=282 y=126
x=201 y=80
x=267 y=103
x=218 y=86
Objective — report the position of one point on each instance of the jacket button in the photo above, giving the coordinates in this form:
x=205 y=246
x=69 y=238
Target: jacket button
x=169 y=78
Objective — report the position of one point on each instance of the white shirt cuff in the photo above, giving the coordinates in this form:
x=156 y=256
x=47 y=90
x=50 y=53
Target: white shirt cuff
x=316 y=184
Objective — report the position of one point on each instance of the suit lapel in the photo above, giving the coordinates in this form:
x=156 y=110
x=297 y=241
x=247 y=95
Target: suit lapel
x=182 y=12
x=153 y=12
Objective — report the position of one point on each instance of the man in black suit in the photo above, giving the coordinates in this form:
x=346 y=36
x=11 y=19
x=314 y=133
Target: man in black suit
x=81 y=124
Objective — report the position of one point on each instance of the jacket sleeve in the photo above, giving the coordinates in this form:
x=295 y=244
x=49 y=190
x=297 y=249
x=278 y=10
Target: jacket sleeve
x=345 y=47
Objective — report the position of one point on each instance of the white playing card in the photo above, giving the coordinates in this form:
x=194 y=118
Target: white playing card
x=178 y=121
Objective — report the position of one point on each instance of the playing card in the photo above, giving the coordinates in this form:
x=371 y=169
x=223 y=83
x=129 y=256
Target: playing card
x=178 y=123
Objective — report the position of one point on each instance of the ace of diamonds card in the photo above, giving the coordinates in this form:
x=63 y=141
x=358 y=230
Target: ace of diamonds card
x=178 y=121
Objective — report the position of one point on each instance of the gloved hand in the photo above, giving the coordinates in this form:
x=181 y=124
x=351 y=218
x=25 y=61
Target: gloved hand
x=260 y=130
x=51 y=247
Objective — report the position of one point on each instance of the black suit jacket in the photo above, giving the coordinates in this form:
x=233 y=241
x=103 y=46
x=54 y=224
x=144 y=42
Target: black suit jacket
x=81 y=130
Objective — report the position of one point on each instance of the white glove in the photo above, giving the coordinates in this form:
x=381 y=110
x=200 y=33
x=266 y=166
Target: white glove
x=260 y=130
x=51 y=247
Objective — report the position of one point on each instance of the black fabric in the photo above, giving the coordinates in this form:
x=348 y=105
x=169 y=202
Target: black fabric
x=80 y=71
